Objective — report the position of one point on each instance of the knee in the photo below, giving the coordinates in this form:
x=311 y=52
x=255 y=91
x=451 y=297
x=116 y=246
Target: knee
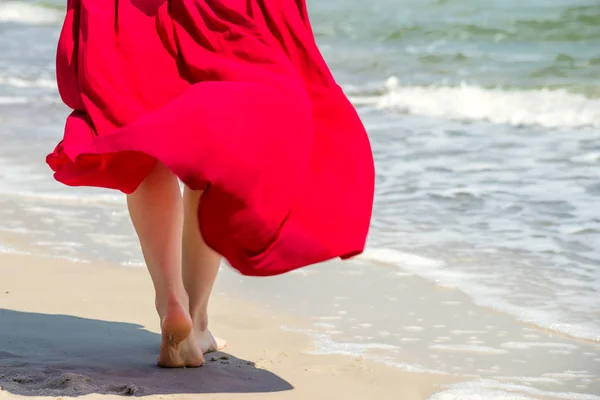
x=160 y=173
x=159 y=178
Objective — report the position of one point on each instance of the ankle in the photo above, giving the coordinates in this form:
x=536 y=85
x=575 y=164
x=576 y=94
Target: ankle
x=169 y=302
x=200 y=320
x=202 y=326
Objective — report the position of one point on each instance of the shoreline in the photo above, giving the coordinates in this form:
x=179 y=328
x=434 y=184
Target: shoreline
x=95 y=332
x=426 y=342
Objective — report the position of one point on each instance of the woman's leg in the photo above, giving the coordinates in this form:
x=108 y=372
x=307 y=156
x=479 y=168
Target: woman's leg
x=157 y=215
x=200 y=267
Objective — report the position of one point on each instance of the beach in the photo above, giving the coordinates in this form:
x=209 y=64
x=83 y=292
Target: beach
x=88 y=329
x=481 y=275
x=71 y=328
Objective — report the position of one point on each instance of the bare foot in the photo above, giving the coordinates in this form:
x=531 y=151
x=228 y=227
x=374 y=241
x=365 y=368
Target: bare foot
x=178 y=348
x=208 y=343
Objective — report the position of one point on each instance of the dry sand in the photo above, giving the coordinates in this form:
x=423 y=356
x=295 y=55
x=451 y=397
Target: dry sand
x=72 y=329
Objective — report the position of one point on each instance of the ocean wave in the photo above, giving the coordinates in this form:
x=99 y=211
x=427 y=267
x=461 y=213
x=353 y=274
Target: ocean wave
x=518 y=31
x=538 y=107
x=13 y=100
x=570 y=24
x=17 y=82
x=88 y=198
x=29 y=13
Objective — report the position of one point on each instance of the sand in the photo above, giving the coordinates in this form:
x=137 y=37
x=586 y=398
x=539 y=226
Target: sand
x=73 y=329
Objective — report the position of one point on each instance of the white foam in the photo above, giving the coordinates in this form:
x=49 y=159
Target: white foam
x=466 y=332
x=529 y=345
x=409 y=339
x=328 y=318
x=542 y=107
x=414 y=328
x=112 y=240
x=13 y=100
x=324 y=325
x=133 y=264
x=474 y=285
x=10 y=250
x=395 y=257
x=303 y=272
x=570 y=375
x=467 y=349
x=27 y=13
x=325 y=345
x=93 y=198
x=413 y=368
x=24 y=83
x=494 y=390
x=4 y=249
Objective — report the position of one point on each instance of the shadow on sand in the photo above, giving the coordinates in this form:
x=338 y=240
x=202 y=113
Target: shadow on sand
x=59 y=355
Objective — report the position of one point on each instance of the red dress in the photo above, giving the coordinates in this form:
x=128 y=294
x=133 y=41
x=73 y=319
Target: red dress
x=235 y=98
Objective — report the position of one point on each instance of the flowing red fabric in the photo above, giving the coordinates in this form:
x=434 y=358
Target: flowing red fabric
x=235 y=98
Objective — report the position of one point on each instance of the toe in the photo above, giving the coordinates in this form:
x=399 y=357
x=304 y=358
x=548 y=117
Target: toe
x=220 y=344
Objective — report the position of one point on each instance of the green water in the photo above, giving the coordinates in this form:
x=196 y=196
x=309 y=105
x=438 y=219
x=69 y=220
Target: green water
x=510 y=44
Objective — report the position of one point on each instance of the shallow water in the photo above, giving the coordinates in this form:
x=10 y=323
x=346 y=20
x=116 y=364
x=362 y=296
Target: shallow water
x=484 y=124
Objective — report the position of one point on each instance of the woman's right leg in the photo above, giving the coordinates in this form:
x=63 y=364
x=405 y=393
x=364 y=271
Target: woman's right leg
x=157 y=214
x=200 y=267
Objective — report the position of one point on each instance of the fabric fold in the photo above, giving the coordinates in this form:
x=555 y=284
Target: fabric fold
x=236 y=100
